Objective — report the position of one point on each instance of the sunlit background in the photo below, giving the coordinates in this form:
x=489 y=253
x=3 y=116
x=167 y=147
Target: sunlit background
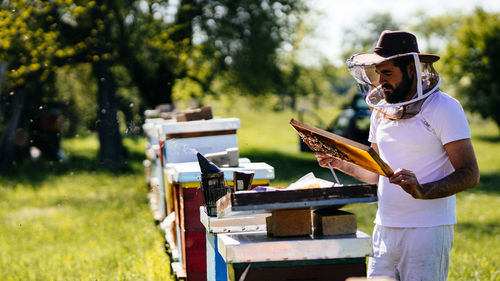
x=77 y=77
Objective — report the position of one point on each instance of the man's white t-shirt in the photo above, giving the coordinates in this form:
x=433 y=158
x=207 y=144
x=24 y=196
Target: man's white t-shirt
x=417 y=144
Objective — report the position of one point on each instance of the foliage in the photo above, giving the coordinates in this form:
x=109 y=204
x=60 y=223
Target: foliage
x=364 y=39
x=472 y=62
x=76 y=92
x=434 y=32
x=45 y=35
x=244 y=38
x=139 y=47
x=28 y=46
x=28 y=41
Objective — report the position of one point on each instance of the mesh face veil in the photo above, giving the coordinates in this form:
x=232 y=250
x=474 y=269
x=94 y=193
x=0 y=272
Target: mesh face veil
x=368 y=79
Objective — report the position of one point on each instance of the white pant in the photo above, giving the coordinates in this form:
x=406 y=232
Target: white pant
x=406 y=254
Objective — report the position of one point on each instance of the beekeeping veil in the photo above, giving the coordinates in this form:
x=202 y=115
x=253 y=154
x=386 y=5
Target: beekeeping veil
x=391 y=45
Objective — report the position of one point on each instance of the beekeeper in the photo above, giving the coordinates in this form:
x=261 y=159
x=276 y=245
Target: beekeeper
x=424 y=134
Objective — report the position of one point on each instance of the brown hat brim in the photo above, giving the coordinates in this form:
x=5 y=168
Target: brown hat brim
x=373 y=58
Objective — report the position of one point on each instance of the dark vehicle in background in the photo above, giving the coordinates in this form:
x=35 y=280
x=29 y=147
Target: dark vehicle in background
x=352 y=123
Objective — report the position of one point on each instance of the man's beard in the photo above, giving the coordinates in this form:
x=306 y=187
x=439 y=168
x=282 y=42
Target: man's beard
x=399 y=93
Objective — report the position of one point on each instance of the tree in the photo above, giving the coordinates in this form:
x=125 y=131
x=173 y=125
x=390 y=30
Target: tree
x=157 y=41
x=28 y=47
x=241 y=41
x=40 y=36
x=435 y=32
x=233 y=41
x=472 y=62
x=364 y=39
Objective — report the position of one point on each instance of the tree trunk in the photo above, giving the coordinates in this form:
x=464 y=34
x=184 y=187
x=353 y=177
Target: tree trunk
x=111 y=151
x=3 y=66
x=14 y=141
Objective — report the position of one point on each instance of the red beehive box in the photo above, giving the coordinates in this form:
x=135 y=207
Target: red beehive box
x=194 y=251
x=190 y=202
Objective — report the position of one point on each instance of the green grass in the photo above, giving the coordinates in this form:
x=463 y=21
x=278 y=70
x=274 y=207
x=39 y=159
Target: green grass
x=475 y=254
x=75 y=220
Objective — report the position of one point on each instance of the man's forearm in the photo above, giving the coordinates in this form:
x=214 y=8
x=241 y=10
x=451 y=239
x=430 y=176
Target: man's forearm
x=456 y=182
x=358 y=172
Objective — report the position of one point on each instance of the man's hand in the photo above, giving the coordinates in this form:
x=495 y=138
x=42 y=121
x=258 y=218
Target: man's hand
x=324 y=159
x=408 y=181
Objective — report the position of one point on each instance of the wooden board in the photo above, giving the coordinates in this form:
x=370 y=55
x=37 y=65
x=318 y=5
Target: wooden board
x=296 y=198
x=341 y=148
x=298 y=195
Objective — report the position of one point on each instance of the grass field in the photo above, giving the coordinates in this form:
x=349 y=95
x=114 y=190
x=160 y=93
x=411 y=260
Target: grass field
x=75 y=220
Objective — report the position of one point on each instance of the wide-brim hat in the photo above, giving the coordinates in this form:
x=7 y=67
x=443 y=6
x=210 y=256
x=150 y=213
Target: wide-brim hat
x=393 y=44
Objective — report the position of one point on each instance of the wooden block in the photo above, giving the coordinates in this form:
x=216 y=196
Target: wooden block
x=291 y=222
x=334 y=222
x=194 y=114
x=168 y=115
x=179 y=117
x=206 y=112
x=269 y=225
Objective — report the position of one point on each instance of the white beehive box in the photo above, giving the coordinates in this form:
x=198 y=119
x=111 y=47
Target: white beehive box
x=182 y=140
x=150 y=128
